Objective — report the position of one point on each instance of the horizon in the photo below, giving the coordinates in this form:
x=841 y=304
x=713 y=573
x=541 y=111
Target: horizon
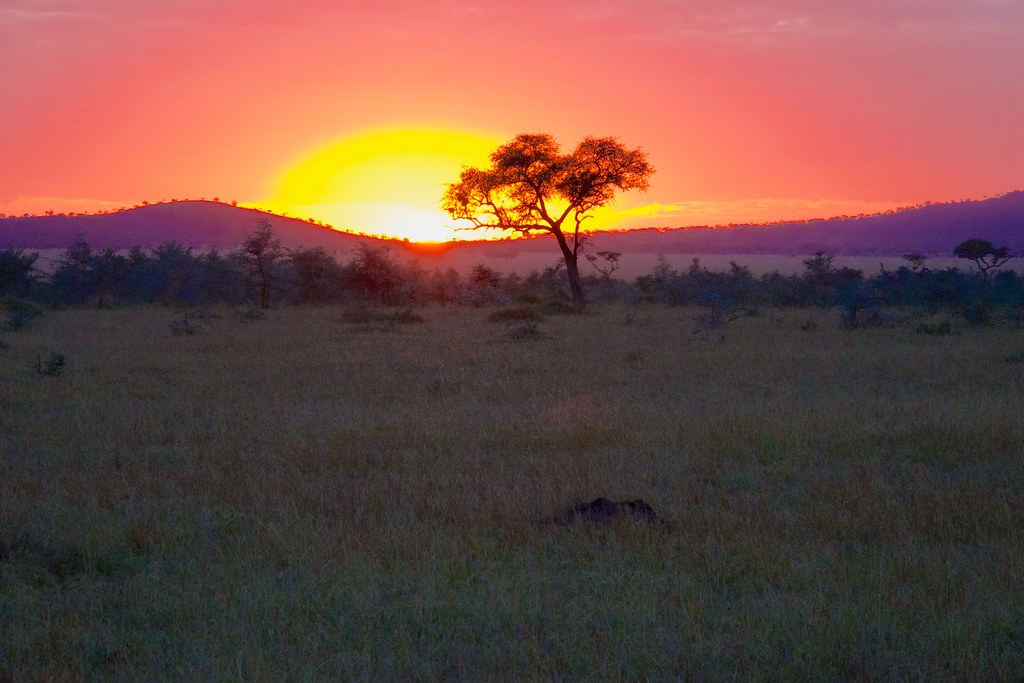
x=357 y=115
x=480 y=235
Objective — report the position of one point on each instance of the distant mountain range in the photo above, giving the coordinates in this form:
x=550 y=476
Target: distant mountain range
x=930 y=229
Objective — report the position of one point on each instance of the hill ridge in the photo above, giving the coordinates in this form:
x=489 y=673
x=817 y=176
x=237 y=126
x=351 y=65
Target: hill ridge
x=929 y=229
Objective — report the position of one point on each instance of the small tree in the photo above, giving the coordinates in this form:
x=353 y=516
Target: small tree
x=259 y=255
x=984 y=254
x=605 y=262
x=109 y=274
x=915 y=260
x=820 y=277
x=317 y=275
x=17 y=270
x=531 y=188
x=375 y=275
x=175 y=273
x=483 y=285
x=72 y=278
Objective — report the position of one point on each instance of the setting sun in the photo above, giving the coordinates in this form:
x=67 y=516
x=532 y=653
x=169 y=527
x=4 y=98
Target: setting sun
x=383 y=182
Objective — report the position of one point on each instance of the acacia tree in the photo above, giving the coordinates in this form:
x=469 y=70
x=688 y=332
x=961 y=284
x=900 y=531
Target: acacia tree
x=530 y=188
x=984 y=254
x=260 y=253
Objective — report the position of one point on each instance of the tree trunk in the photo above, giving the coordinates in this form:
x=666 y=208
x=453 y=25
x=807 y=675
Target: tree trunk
x=572 y=269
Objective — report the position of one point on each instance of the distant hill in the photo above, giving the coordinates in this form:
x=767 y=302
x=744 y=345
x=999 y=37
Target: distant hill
x=198 y=224
x=932 y=229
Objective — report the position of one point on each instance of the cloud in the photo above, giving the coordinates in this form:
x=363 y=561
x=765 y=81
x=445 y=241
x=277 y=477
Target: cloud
x=659 y=20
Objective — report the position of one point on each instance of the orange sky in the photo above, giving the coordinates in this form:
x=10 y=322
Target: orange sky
x=749 y=110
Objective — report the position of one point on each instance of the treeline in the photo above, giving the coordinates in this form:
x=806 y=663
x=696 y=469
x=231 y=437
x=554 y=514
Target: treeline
x=979 y=297
x=262 y=272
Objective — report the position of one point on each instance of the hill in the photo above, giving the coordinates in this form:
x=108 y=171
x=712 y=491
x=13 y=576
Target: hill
x=931 y=229
x=198 y=224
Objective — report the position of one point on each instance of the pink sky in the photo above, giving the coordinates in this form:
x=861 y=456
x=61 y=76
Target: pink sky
x=748 y=110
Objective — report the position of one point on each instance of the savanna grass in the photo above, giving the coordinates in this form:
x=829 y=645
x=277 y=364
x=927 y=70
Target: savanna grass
x=299 y=497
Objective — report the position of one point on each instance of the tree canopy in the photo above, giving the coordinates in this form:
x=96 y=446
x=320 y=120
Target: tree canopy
x=985 y=254
x=531 y=188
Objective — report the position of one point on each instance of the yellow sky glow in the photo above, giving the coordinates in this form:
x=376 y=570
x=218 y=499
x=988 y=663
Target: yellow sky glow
x=388 y=182
x=383 y=182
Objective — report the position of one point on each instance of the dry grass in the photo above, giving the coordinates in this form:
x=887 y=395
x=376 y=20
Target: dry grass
x=302 y=498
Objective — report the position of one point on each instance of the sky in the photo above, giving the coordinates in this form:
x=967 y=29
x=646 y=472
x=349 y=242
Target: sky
x=357 y=112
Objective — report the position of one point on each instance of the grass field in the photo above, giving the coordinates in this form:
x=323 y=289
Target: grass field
x=299 y=498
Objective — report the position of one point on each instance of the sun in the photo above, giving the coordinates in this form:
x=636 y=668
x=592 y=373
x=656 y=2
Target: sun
x=384 y=182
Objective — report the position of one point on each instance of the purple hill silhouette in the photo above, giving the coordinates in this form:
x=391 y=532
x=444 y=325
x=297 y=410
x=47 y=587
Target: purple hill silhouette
x=932 y=229
x=198 y=224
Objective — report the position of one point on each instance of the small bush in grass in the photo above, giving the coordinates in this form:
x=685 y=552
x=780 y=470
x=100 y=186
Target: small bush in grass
x=53 y=367
x=407 y=316
x=1015 y=358
x=525 y=331
x=556 y=307
x=358 y=316
x=251 y=314
x=184 y=325
x=20 y=313
x=365 y=316
x=517 y=314
x=942 y=328
x=528 y=298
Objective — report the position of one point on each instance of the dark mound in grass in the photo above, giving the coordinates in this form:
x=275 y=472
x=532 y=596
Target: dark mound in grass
x=604 y=511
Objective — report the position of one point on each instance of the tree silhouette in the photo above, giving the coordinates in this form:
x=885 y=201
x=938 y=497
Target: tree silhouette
x=17 y=270
x=915 y=260
x=984 y=254
x=530 y=188
x=259 y=254
x=72 y=277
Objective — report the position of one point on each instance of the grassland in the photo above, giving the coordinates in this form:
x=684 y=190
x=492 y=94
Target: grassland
x=303 y=498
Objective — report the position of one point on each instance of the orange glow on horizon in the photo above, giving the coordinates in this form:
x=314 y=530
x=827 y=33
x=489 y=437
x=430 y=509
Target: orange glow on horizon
x=389 y=182
x=385 y=182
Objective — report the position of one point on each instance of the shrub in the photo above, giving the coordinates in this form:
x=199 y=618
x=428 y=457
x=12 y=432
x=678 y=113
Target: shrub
x=559 y=307
x=528 y=298
x=53 y=367
x=944 y=327
x=358 y=316
x=407 y=316
x=365 y=315
x=1015 y=358
x=517 y=314
x=251 y=314
x=21 y=313
x=525 y=331
x=184 y=325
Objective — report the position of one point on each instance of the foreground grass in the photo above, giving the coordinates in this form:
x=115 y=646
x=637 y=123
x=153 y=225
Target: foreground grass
x=302 y=498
